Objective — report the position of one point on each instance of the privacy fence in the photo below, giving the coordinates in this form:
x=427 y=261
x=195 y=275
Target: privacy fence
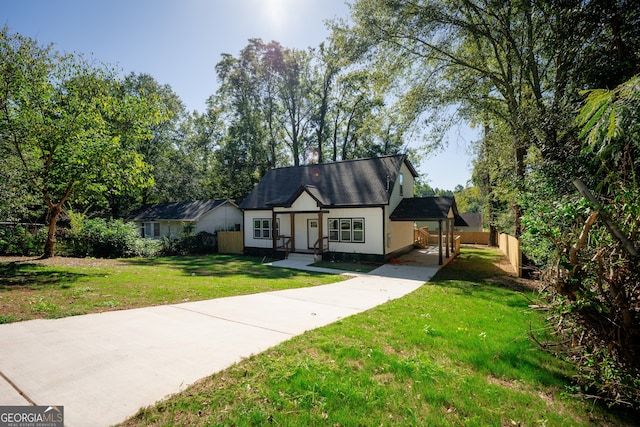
x=230 y=242
x=510 y=246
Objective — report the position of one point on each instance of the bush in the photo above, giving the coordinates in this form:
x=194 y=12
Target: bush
x=19 y=240
x=190 y=244
x=102 y=238
x=593 y=289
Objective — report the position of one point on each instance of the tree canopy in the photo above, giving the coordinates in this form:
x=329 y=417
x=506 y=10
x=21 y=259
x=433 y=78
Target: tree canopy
x=65 y=123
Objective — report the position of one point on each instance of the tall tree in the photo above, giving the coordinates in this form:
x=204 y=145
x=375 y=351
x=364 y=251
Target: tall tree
x=516 y=60
x=63 y=120
x=159 y=149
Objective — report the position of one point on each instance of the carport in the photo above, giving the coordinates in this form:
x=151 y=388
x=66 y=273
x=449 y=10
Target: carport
x=442 y=210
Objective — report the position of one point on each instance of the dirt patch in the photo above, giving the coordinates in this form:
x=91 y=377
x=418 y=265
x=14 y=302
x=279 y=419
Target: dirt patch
x=62 y=261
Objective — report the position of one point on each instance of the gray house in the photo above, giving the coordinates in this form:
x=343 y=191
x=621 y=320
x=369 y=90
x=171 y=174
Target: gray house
x=170 y=219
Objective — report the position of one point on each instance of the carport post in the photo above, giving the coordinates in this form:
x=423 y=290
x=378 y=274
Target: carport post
x=447 y=239
x=439 y=242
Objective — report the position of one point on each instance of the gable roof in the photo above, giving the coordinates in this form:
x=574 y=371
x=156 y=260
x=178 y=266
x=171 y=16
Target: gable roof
x=362 y=182
x=425 y=209
x=472 y=219
x=177 y=211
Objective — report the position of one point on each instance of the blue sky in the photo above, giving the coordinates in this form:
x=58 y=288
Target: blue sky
x=179 y=42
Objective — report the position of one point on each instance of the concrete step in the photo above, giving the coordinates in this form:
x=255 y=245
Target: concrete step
x=309 y=258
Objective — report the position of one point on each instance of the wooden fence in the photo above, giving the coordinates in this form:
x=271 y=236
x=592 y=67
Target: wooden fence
x=473 y=237
x=230 y=242
x=510 y=246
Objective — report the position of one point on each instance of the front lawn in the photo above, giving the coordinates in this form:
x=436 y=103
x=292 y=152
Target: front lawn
x=60 y=287
x=456 y=352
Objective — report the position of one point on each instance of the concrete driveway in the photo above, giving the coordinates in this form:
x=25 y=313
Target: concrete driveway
x=103 y=367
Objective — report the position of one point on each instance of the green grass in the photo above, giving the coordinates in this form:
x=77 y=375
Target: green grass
x=29 y=290
x=455 y=352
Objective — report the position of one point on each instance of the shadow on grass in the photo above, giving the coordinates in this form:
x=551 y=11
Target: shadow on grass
x=221 y=266
x=477 y=272
x=33 y=276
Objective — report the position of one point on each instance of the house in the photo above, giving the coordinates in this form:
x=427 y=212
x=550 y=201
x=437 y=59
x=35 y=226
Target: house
x=472 y=222
x=339 y=210
x=170 y=219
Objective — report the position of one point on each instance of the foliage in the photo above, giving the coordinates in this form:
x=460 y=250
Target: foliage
x=190 y=244
x=594 y=281
x=66 y=123
x=21 y=240
x=97 y=237
x=611 y=130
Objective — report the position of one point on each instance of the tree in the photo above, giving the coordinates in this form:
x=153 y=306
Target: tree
x=595 y=273
x=516 y=62
x=64 y=121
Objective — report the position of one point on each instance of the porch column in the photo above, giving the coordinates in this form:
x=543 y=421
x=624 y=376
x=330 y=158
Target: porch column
x=320 y=235
x=274 y=236
x=453 y=235
x=447 y=237
x=293 y=234
x=439 y=242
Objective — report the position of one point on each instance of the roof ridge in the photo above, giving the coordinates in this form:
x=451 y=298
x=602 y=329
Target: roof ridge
x=341 y=161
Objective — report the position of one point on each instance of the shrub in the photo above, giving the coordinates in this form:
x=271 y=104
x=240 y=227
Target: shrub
x=190 y=244
x=102 y=238
x=19 y=240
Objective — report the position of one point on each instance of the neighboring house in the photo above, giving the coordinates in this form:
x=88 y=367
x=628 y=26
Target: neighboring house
x=472 y=222
x=340 y=209
x=170 y=219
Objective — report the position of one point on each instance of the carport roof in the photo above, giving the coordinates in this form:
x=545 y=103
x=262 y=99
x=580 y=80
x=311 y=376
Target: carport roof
x=426 y=209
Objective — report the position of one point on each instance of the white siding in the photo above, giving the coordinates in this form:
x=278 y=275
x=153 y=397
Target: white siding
x=304 y=203
x=250 y=241
x=224 y=217
x=399 y=235
x=407 y=190
x=373 y=230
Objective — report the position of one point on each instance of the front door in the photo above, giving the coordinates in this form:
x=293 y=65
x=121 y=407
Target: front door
x=312 y=232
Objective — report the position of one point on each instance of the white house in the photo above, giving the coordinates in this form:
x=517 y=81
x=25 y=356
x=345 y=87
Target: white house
x=337 y=210
x=171 y=219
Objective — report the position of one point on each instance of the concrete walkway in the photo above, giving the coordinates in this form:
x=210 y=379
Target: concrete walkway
x=103 y=367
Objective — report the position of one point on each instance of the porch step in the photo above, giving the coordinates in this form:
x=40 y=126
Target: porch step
x=308 y=258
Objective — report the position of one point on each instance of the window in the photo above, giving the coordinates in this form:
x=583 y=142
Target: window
x=401 y=178
x=334 y=230
x=357 y=225
x=151 y=229
x=346 y=230
x=262 y=228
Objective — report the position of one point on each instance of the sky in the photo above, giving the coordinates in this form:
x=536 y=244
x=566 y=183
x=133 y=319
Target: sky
x=179 y=42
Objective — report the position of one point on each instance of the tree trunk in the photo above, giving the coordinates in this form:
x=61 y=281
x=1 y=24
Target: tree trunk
x=52 y=220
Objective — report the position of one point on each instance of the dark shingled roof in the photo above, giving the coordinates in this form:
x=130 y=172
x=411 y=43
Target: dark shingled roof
x=425 y=209
x=179 y=211
x=471 y=219
x=363 y=182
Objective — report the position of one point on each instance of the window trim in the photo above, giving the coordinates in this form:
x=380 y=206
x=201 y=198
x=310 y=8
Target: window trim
x=338 y=227
x=264 y=232
x=151 y=226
